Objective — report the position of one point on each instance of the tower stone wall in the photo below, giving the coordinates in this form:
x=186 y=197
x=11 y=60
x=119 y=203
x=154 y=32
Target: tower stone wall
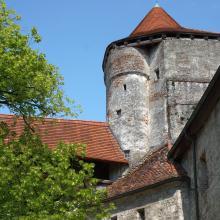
x=126 y=77
x=189 y=65
x=153 y=89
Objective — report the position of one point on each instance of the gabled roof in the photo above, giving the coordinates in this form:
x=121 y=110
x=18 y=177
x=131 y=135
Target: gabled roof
x=198 y=118
x=100 y=143
x=156 y=19
x=154 y=169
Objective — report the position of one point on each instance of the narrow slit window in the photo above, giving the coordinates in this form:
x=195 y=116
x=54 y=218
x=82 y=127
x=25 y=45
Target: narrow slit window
x=157 y=71
x=141 y=214
x=119 y=112
x=125 y=87
x=127 y=154
x=203 y=177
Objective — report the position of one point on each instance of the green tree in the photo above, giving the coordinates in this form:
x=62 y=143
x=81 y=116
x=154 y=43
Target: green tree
x=35 y=182
x=29 y=85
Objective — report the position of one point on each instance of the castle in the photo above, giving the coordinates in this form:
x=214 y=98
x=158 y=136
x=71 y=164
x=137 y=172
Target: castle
x=155 y=79
x=158 y=153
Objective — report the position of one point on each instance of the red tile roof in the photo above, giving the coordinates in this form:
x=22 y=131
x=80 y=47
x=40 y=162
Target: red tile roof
x=154 y=169
x=158 y=20
x=101 y=145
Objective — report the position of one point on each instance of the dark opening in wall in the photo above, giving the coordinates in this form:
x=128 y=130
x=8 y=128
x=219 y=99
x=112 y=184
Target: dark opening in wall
x=127 y=154
x=125 y=87
x=101 y=170
x=157 y=71
x=203 y=173
x=182 y=118
x=141 y=214
x=118 y=112
x=114 y=218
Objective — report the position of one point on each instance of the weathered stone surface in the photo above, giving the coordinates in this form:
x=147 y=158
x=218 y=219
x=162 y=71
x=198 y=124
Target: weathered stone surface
x=178 y=116
x=125 y=60
x=184 y=93
x=191 y=60
x=182 y=99
x=158 y=127
x=127 y=92
x=152 y=91
x=207 y=167
x=161 y=203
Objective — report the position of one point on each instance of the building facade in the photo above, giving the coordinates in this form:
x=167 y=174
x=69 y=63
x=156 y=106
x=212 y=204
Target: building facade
x=155 y=79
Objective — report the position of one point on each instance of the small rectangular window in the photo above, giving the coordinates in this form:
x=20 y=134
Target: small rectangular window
x=127 y=154
x=157 y=71
x=141 y=214
x=118 y=112
x=114 y=218
x=125 y=87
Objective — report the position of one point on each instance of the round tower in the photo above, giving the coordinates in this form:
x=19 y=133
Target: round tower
x=154 y=79
x=126 y=78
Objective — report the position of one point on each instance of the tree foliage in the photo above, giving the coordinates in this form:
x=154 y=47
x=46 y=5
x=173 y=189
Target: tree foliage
x=37 y=183
x=29 y=85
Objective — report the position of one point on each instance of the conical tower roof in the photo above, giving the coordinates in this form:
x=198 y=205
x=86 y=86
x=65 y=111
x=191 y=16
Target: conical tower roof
x=156 y=20
x=159 y=24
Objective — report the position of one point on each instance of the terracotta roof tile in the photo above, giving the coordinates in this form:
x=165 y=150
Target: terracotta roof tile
x=158 y=20
x=101 y=145
x=154 y=169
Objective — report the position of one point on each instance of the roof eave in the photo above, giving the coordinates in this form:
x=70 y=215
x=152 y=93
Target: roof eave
x=122 y=162
x=151 y=186
x=160 y=33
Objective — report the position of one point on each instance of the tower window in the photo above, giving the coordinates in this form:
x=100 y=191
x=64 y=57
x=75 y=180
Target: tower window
x=127 y=154
x=125 y=87
x=141 y=214
x=203 y=177
x=157 y=71
x=118 y=112
x=114 y=218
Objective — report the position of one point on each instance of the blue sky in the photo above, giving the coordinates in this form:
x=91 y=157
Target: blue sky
x=76 y=32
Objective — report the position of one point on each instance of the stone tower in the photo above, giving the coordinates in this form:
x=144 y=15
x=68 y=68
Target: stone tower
x=154 y=78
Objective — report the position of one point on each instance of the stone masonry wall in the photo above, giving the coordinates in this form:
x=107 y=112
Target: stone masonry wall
x=185 y=67
x=127 y=75
x=152 y=90
x=208 y=167
x=189 y=65
x=163 y=203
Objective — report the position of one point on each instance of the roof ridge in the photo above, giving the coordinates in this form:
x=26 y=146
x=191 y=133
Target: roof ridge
x=143 y=160
x=103 y=123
